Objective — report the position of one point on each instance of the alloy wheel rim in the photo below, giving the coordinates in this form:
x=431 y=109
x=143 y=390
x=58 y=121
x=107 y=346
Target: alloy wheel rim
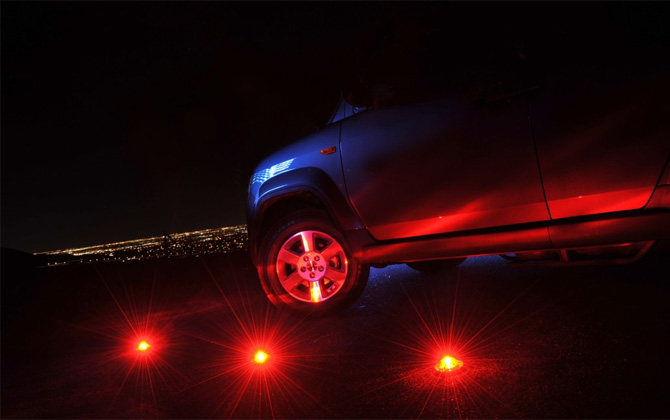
x=312 y=266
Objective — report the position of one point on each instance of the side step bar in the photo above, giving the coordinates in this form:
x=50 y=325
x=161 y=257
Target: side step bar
x=567 y=261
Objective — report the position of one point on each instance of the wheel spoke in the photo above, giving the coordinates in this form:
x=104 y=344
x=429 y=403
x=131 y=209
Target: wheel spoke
x=316 y=291
x=292 y=281
x=331 y=250
x=307 y=240
x=336 y=276
x=287 y=256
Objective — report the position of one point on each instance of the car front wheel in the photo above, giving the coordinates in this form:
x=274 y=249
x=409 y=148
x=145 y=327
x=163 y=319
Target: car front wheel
x=305 y=265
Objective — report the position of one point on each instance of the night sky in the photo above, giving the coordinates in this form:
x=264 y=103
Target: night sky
x=124 y=120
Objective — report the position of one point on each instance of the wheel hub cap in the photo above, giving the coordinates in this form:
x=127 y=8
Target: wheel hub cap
x=311 y=266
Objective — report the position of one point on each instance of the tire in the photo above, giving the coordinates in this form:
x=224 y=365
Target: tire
x=435 y=266
x=305 y=265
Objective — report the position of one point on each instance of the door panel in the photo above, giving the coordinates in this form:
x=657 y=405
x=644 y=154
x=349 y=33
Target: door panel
x=602 y=122
x=441 y=166
x=601 y=146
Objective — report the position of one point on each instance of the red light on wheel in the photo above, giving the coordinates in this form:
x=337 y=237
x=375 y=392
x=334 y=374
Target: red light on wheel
x=315 y=291
x=448 y=364
x=261 y=357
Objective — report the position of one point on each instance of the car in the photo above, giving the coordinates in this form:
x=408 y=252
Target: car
x=543 y=136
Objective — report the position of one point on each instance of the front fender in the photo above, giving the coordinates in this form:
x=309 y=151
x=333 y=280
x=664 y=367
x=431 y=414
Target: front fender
x=310 y=179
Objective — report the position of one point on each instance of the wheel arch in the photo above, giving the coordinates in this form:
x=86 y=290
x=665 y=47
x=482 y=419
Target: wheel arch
x=298 y=189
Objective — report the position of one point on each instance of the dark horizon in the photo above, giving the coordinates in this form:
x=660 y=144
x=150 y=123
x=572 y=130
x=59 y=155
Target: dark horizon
x=127 y=120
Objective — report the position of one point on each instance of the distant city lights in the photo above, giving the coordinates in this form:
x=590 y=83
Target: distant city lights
x=208 y=241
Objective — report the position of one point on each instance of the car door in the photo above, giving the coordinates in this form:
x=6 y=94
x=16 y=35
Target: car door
x=440 y=167
x=461 y=160
x=602 y=124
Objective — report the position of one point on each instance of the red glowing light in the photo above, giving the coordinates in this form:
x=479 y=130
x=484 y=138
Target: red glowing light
x=143 y=346
x=448 y=364
x=315 y=291
x=261 y=357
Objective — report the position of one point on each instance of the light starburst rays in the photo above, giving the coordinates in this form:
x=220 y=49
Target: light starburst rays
x=254 y=377
x=455 y=339
x=137 y=344
x=261 y=356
